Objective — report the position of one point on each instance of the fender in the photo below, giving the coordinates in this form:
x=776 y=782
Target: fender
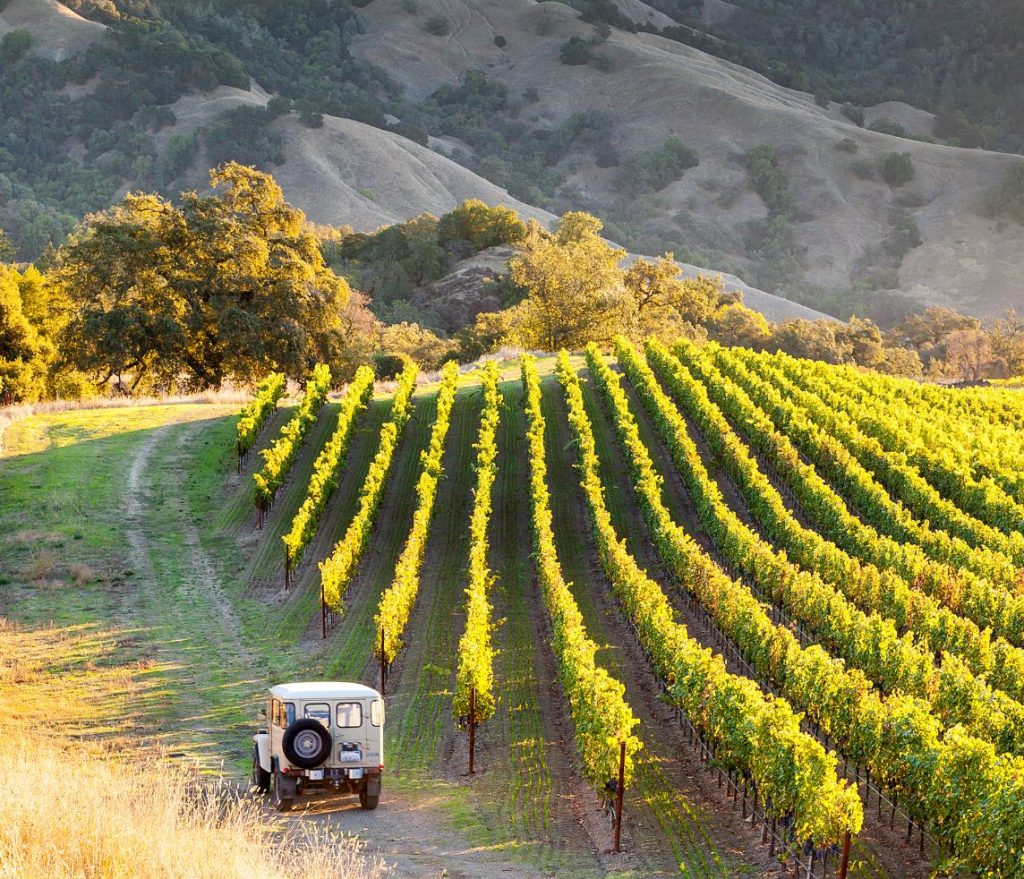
x=373 y=780
x=262 y=741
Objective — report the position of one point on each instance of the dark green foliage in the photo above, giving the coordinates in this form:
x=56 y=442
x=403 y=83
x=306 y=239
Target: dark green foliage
x=15 y=44
x=854 y=114
x=500 y=41
x=388 y=366
x=1006 y=201
x=897 y=169
x=769 y=180
x=179 y=153
x=653 y=171
x=903 y=237
x=575 y=51
x=243 y=135
x=887 y=126
x=438 y=26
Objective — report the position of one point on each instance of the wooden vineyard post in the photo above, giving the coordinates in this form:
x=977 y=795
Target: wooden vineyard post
x=618 y=797
x=383 y=668
x=287 y=568
x=323 y=612
x=844 y=864
x=472 y=726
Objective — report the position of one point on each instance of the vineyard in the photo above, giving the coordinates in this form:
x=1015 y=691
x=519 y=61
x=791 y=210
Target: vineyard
x=805 y=580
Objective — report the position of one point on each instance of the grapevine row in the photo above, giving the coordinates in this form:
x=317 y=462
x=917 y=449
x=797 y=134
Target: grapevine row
x=960 y=787
x=947 y=467
x=935 y=627
x=337 y=571
x=601 y=716
x=279 y=457
x=757 y=735
x=326 y=470
x=255 y=414
x=980 y=600
x=476 y=655
x=866 y=641
x=991 y=553
x=398 y=599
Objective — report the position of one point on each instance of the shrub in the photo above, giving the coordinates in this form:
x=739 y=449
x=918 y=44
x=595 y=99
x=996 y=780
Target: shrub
x=438 y=26
x=575 y=51
x=500 y=41
x=897 y=169
x=847 y=145
x=653 y=171
x=887 y=126
x=1007 y=199
x=854 y=114
x=769 y=180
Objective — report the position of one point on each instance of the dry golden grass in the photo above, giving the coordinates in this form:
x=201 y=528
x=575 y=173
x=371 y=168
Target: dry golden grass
x=81 y=797
x=41 y=566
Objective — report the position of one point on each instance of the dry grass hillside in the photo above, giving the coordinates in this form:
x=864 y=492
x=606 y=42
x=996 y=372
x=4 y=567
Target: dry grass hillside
x=58 y=31
x=659 y=88
x=350 y=173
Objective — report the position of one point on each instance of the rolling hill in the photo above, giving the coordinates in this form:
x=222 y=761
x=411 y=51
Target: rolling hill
x=846 y=241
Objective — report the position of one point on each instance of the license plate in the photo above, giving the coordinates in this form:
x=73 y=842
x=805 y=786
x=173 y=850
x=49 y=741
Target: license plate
x=350 y=756
x=316 y=775
x=355 y=773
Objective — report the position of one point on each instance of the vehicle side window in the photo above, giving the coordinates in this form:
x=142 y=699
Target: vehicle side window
x=318 y=711
x=350 y=714
x=289 y=713
x=377 y=712
x=276 y=714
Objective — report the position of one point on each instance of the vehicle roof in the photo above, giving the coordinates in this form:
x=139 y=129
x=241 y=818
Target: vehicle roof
x=323 y=690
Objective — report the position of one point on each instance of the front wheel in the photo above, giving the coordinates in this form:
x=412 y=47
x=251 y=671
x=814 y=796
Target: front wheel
x=260 y=776
x=368 y=801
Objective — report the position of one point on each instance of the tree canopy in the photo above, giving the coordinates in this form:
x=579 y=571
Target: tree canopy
x=227 y=285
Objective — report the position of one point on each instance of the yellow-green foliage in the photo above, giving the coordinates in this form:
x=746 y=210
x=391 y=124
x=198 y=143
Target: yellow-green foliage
x=324 y=479
x=732 y=710
x=959 y=786
x=866 y=641
x=597 y=701
x=253 y=416
x=888 y=578
x=397 y=601
x=337 y=571
x=279 y=457
x=476 y=653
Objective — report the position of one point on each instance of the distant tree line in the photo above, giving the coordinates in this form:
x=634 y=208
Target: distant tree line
x=157 y=296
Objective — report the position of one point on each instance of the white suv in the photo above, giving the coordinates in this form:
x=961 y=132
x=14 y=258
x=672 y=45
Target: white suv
x=322 y=736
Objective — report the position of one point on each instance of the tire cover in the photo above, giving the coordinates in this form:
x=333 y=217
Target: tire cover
x=306 y=743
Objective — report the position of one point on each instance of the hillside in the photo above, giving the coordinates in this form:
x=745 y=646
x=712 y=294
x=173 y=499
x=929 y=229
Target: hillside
x=431 y=101
x=658 y=88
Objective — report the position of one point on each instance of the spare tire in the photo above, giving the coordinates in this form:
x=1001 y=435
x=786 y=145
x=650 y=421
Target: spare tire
x=306 y=743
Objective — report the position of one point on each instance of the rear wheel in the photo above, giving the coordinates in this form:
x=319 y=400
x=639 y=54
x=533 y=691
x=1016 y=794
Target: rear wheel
x=260 y=776
x=368 y=801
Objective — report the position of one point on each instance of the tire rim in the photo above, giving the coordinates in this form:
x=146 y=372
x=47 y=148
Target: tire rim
x=307 y=744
